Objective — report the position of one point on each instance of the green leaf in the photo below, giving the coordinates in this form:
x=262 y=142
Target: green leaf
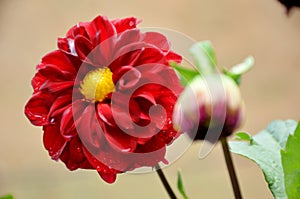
x=238 y=70
x=9 y=196
x=185 y=74
x=264 y=150
x=204 y=57
x=180 y=186
x=242 y=136
x=291 y=164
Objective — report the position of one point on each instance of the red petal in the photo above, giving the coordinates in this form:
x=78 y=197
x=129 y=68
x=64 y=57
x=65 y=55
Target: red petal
x=102 y=54
x=83 y=48
x=63 y=44
x=37 y=81
x=108 y=177
x=122 y=117
x=60 y=105
x=67 y=126
x=120 y=140
x=150 y=55
x=126 y=38
x=130 y=78
x=53 y=87
x=143 y=93
x=137 y=115
x=55 y=73
x=73 y=155
x=125 y=24
x=154 y=151
x=124 y=60
x=53 y=141
x=60 y=60
x=107 y=174
x=37 y=108
x=157 y=39
x=89 y=128
x=105 y=114
x=81 y=30
x=100 y=29
x=172 y=56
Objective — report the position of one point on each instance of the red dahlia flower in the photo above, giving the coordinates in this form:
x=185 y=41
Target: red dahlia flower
x=105 y=98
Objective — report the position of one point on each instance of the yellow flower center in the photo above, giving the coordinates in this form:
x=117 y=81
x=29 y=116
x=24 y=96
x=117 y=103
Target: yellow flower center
x=97 y=84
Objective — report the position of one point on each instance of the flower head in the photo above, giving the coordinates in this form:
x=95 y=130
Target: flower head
x=105 y=98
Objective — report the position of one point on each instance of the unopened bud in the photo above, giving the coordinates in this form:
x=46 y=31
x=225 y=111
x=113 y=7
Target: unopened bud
x=210 y=102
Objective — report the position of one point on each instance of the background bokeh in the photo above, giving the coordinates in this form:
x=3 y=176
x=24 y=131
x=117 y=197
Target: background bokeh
x=237 y=28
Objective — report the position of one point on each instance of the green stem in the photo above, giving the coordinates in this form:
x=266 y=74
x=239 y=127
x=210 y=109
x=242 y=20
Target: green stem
x=231 y=170
x=164 y=181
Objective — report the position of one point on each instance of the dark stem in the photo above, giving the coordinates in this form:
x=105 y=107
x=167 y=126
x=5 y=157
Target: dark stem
x=164 y=180
x=231 y=171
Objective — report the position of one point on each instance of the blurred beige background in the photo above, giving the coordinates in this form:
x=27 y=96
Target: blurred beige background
x=237 y=28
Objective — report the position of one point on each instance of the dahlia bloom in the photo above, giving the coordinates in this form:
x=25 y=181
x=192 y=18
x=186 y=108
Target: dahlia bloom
x=209 y=104
x=105 y=98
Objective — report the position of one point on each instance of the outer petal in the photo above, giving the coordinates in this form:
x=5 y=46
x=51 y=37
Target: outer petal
x=125 y=24
x=73 y=155
x=60 y=105
x=154 y=150
x=53 y=141
x=82 y=48
x=37 y=81
x=53 y=87
x=73 y=32
x=150 y=55
x=109 y=175
x=119 y=139
x=157 y=39
x=67 y=127
x=171 y=56
x=100 y=29
x=37 y=108
x=55 y=73
x=60 y=60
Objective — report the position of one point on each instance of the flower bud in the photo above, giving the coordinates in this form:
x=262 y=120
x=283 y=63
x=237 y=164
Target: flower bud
x=211 y=102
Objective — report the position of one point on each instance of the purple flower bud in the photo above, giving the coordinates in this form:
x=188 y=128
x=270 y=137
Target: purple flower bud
x=211 y=102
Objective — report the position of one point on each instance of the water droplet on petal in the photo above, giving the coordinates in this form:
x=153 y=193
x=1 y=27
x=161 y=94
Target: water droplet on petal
x=52 y=120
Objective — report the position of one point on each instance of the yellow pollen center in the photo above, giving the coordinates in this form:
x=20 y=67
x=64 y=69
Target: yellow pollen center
x=97 y=84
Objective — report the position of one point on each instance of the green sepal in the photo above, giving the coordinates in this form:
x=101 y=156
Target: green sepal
x=204 y=57
x=185 y=74
x=238 y=70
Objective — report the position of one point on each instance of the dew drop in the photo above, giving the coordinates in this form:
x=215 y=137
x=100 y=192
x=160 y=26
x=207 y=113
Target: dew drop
x=131 y=23
x=52 y=120
x=126 y=150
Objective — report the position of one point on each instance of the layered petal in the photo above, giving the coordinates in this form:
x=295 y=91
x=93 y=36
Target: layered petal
x=53 y=141
x=37 y=108
x=125 y=24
